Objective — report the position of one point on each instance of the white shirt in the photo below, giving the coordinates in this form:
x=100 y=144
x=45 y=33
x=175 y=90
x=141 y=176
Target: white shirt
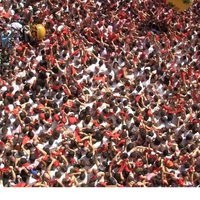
x=16 y=25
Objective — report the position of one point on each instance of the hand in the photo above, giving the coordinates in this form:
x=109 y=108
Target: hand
x=11 y=167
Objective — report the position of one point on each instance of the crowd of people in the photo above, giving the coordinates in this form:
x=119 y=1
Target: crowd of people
x=110 y=97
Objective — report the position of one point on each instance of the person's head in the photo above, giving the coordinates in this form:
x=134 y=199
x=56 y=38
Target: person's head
x=32 y=158
x=87 y=119
x=124 y=156
x=112 y=181
x=189 y=137
x=89 y=154
x=58 y=174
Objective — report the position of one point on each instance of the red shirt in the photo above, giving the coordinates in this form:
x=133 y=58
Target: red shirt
x=78 y=138
x=73 y=120
x=56 y=117
x=25 y=140
x=42 y=116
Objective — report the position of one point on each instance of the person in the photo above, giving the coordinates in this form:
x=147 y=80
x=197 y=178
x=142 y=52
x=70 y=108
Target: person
x=6 y=38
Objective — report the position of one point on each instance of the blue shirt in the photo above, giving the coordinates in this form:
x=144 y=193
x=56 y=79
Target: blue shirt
x=5 y=40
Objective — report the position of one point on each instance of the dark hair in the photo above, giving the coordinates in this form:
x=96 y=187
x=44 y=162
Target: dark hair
x=138 y=88
x=51 y=140
x=22 y=115
x=189 y=136
x=58 y=174
x=65 y=98
x=124 y=156
x=22 y=161
x=170 y=117
x=151 y=134
x=55 y=70
x=130 y=146
x=30 y=134
x=71 y=154
x=58 y=96
x=36 y=126
x=47 y=115
x=98 y=136
x=66 y=109
x=165 y=152
x=27 y=120
x=47 y=150
x=32 y=158
x=82 y=176
x=89 y=154
x=157 y=141
x=87 y=119
x=112 y=181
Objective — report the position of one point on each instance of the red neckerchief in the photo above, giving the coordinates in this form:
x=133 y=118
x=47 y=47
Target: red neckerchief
x=86 y=143
x=104 y=148
x=121 y=142
x=75 y=52
x=96 y=123
x=99 y=78
x=5 y=169
x=56 y=163
x=121 y=72
x=37 y=153
x=65 y=30
x=183 y=74
x=190 y=71
x=45 y=157
x=77 y=135
x=157 y=169
x=20 y=185
x=101 y=34
x=93 y=178
x=26 y=164
x=115 y=136
x=91 y=39
x=122 y=15
x=72 y=161
x=73 y=70
x=171 y=110
x=137 y=98
x=181 y=181
x=139 y=118
x=56 y=117
x=66 y=91
x=42 y=116
x=123 y=166
x=149 y=112
x=108 y=115
x=55 y=87
x=84 y=58
x=64 y=120
x=52 y=182
x=72 y=120
x=49 y=120
x=104 y=184
x=6 y=108
x=9 y=95
x=25 y=140
x=42 y=69
x=139 y=163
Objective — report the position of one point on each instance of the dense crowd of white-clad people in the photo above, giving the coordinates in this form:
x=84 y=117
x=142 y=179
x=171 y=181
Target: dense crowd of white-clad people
x=110 y=97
